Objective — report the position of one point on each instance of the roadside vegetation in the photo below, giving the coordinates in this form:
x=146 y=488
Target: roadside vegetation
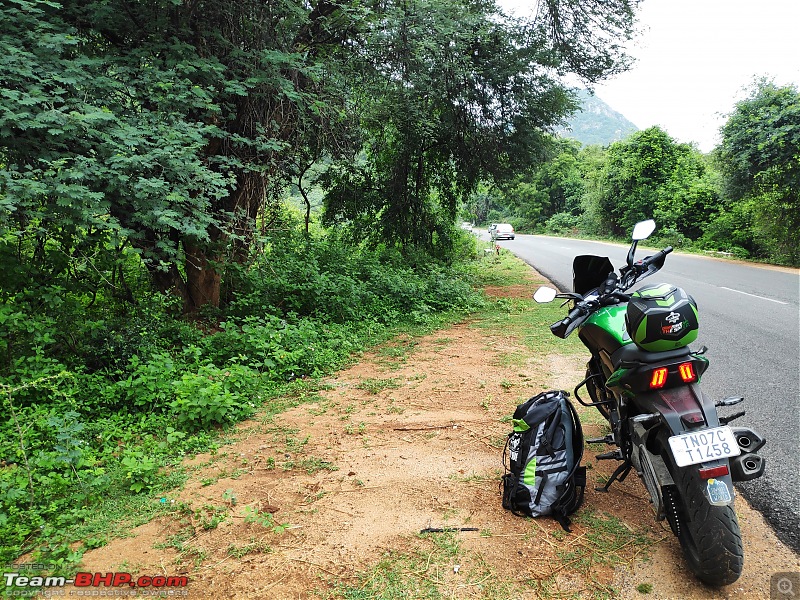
x=101 y=397
x=158 y=288
x=741 y=199
x=204 y=207
x=433 y=568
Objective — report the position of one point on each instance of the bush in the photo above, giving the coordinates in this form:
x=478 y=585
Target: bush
x=108 y=391
x=214 y=396
x=669 y=236
x=563 y=223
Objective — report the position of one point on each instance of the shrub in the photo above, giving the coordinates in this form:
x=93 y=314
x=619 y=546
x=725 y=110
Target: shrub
x=106 y=391
x=669 y=236
x=214 y=396
x=563 y=223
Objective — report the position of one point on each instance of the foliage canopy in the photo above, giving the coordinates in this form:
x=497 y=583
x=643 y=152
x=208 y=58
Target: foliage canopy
x=760 y=153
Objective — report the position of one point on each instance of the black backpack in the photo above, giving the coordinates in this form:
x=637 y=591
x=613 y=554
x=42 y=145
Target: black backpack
x=543 y=474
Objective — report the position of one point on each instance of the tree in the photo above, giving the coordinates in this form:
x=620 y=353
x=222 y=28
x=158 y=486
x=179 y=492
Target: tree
x=458 y=95
x=169 y=129
x=166 y=127
x=689 y=200
x=547 y=188
x=760 y=154
x=88 y=167
x=649 y=175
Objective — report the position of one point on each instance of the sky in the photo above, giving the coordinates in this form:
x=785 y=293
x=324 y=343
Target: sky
x=696 y=58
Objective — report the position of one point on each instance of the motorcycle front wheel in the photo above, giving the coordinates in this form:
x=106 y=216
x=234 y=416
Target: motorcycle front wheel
x=709 y=535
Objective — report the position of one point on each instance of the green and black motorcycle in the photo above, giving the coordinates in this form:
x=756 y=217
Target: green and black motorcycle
x=645 y=380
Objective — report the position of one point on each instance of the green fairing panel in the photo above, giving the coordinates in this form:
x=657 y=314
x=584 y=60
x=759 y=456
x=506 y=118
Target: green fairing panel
x=606 y=328
x=613 y=381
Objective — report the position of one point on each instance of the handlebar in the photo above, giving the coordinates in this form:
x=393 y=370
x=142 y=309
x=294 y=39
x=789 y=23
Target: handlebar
x=610 y=292
x=565 y=326
x=657 y=259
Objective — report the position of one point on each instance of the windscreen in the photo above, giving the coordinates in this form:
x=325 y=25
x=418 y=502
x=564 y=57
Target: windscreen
x=589 y=272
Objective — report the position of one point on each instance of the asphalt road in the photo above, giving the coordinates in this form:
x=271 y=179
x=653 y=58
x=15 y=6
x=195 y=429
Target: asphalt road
x=750 y=322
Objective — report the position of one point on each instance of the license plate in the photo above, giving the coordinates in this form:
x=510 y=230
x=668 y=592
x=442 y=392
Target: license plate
x=704 y=446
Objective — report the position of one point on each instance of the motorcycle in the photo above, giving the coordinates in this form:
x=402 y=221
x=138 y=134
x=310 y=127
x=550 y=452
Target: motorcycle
x=645 y=381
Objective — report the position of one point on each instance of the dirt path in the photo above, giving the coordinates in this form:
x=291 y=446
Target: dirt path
x=411 y=438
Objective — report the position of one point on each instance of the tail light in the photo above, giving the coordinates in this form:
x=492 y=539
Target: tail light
x=687 y=372
x=659 y=378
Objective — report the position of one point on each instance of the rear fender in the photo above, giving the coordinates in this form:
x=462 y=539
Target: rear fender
x=681 y=408
x=685 y=408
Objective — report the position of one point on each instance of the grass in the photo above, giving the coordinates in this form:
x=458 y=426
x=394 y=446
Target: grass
x=395 y=354
x=428 y=568
x=252 y=547
x=523 y=319
x=601 y=541
x=418 y=573
x=437 y=565
x=377 y=385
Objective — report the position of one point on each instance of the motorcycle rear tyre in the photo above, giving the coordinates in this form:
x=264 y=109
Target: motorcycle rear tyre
x=709 y=535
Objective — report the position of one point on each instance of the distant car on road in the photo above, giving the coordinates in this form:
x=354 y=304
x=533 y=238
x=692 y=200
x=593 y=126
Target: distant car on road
x=502 y=231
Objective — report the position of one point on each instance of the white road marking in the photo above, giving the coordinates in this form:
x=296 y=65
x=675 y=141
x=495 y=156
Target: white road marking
x=752 y=295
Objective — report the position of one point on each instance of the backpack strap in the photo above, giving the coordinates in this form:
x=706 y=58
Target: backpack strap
x=548 y=435
x=545 y=475
x=574 y=487
x=577 y=433
x=509 y=484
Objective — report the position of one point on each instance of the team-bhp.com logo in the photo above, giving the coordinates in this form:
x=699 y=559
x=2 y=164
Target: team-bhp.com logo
x=96 y=580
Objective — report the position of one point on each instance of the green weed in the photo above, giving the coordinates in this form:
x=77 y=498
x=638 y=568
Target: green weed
x=253 y=547
x=265 y=519
x=314 y=465
x=376 y=386
x=106 y=397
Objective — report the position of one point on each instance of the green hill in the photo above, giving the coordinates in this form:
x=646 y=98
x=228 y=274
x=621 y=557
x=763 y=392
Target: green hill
x=596 y=123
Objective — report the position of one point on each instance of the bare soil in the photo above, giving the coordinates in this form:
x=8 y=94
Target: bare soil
x=410 y=438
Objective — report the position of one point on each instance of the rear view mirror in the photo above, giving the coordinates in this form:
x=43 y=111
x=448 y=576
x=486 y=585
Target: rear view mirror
x=643 y=229
x=544 y=295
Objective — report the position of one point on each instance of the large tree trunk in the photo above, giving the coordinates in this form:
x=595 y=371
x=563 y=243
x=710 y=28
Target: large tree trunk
x=202 y=266
x=169 y=281
x=202 y=280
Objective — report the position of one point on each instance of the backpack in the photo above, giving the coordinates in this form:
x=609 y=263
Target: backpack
x=542 y=456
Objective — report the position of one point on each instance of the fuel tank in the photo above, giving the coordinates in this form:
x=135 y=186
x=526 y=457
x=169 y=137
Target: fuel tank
x=604 y=332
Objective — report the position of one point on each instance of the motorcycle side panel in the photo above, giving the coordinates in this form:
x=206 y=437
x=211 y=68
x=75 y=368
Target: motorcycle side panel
x=605 y=330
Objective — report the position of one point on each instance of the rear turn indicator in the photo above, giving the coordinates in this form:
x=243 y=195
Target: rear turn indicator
x=687 y=373
x=659 y=378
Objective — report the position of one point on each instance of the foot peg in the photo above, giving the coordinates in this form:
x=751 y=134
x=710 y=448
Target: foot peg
x=609 y=439
x=612 y=455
